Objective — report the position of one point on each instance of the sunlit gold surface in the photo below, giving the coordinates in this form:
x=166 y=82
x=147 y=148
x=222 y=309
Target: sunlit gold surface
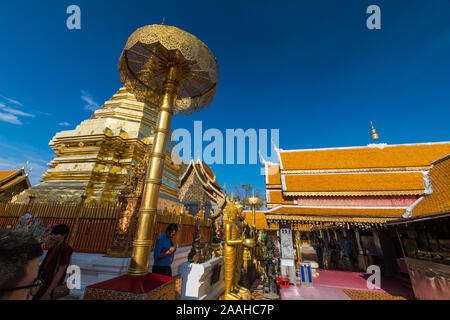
x=147 y=213
x=168 y=65
x=147 y=55
x=98 y=155
x=374 y=132
x=253 y=202
x=234 y=240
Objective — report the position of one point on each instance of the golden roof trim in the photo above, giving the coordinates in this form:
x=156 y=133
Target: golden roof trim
x=355 y=193
x=369 y=170
x=329 y=218
x=274 y=187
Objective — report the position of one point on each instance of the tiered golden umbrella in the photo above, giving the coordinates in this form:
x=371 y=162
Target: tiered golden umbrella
x=169 y=67
x=253 y=202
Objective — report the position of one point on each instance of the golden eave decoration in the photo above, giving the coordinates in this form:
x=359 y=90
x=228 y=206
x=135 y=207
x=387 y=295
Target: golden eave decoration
x=338 y=211
x=356 y=193
x=313 y=219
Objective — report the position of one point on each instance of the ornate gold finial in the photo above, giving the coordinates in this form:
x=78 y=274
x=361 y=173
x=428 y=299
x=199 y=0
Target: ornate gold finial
x=374 y=132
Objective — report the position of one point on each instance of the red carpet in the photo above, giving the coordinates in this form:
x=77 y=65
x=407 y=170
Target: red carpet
x=138 y=285
x=357 y=281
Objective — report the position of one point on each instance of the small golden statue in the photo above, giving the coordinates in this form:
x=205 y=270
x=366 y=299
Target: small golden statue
x=234 y=240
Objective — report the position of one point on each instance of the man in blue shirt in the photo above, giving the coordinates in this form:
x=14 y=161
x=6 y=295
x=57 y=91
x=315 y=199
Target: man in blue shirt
x=165 y=251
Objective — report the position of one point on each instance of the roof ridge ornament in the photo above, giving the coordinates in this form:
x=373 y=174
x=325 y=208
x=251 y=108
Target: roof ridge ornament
x=374 y=132
x=261 y=157
x=26 y=164
x=274 y=146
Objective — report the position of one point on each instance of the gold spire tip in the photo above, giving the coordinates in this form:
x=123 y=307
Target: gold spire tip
x=374 y=132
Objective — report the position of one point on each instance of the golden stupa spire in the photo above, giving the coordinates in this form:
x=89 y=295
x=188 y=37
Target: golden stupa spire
x=374 y=132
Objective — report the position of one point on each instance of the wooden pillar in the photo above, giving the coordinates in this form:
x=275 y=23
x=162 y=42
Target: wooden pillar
x=376 y=239
x=358 y=241
x=73 y=235
x=180 y=229
x=31 y=198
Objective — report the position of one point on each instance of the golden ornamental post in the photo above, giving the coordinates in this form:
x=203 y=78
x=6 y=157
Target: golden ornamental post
x=253 y=202
x=165 y=66
x=147 y=213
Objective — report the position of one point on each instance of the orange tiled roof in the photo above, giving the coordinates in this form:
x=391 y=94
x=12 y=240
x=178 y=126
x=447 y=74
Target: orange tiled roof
x=260 y=219
x=12 y=182
x=439 y=200
x=276 y=196
x=210 y=175
x=386 y=181
x=273 y=174
x=6 y=174
x=204 y=173
x=336 y=211
x=413 y=155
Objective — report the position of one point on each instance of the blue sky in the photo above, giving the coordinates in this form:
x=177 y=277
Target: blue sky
x=309 y=68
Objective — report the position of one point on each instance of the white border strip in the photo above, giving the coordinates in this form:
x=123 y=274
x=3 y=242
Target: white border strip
x=370 y=146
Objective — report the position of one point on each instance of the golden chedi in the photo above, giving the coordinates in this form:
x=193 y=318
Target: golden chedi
x=100 y=153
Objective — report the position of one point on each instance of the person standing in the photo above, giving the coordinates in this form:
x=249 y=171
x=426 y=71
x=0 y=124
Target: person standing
x=350 y=252
x=54 y=266
x=19 y=265
x=334 y=254
x=318 y=246
x=165 y=251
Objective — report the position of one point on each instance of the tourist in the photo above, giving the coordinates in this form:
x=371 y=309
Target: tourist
x=19 y=265
x=319 y=247
x=334 y=254
x=350 y=252
x=54 y=266
x=165 y=251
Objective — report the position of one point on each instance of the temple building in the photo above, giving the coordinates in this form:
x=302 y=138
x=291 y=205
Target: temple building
x=199 y=189
x=101 y=154
x=423 y=247
x=13 y=182
x=351 y=191
x=260 y=219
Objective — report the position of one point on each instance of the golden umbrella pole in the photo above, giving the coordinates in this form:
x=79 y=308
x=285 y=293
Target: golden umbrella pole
x=253 y=216
x=254 y=201
x=170 y=68
x=147 y=213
